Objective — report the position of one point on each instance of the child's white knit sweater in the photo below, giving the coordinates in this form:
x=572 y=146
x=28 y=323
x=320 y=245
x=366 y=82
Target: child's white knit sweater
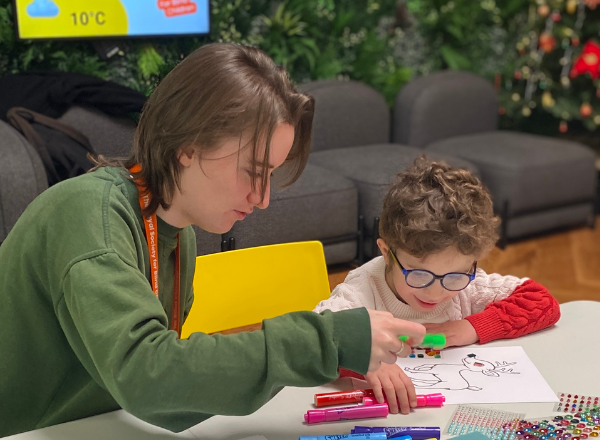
x=366 y=287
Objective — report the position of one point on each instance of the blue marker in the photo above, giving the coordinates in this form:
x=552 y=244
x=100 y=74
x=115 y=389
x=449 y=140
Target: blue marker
x=396 y=432
x=365 y=436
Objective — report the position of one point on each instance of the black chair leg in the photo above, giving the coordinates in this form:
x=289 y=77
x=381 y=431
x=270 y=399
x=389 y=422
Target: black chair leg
x=591 y=221
x=231 y=243
x=360 y=240
x=502 y=242
x=374 y=247
x=224 y=244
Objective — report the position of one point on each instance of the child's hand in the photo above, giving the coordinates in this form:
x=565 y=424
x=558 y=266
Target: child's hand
x=457 y=333
x=391 y=383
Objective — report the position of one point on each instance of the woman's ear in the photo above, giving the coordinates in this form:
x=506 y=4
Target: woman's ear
x=186 y=156
x=385 y=250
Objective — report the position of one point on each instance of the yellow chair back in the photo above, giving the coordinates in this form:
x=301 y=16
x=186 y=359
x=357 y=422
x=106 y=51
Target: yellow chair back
x=242 y=287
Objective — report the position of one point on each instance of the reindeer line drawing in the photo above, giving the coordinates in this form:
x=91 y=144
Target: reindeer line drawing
x=451 y=376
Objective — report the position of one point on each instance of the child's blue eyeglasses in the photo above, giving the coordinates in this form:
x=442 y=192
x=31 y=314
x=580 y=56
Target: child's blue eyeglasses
x=421 y=278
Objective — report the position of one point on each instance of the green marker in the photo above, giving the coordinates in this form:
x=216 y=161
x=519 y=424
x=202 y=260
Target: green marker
x=431 y=340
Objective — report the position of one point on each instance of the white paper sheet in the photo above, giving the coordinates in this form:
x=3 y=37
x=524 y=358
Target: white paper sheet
x=479 y=375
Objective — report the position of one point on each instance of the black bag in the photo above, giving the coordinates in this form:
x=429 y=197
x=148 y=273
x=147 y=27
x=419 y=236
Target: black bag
x=63 y=149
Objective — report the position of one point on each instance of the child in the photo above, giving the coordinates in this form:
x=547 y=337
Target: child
x=436 y=223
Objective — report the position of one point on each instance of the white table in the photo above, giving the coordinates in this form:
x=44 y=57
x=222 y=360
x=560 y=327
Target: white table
x=567 y=355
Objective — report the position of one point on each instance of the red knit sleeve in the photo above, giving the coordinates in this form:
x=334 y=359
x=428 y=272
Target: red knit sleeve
x=528 y=309
x=349 y=373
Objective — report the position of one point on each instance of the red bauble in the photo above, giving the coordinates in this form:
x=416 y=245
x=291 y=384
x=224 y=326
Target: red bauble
x=547 y=42
x=588 y=61
x=575 y=41
x=563 y=127
x=586 y=110
x=591 y=3
x=555 y=17
x=501 y=111
x=518 y=74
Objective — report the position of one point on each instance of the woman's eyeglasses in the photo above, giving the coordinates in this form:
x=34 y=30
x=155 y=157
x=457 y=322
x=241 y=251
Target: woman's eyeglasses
x=421 y=278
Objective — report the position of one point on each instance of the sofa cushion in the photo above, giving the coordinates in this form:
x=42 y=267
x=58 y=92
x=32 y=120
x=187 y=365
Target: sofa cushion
x=110 y=136
x=319 y=205
x=531 y=172
x=372 y=168
x=347 y=114
x=442 y=105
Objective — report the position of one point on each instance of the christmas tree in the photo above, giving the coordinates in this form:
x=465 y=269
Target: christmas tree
x=556 y=68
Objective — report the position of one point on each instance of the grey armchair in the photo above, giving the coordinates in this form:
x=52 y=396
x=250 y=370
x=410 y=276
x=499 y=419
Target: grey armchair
x=537 y=183
x=351 y=137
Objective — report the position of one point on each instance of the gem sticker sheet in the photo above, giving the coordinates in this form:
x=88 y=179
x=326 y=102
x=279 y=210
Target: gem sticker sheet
x=580 y=426
x=571 y=402
x=498 y=425
x=503 y=425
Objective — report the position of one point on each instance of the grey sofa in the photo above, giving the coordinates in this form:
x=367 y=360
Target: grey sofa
x=351 y=137
x=537 y=183
x=357 y=150
x=347 y=176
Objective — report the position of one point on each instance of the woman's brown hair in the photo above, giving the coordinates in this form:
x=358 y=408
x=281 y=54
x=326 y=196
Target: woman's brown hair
x=432 y=206
x=220 y=91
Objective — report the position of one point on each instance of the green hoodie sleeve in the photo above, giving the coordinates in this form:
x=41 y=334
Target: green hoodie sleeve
x=119 y=331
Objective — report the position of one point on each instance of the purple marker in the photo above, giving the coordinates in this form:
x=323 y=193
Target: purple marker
x=417 y=433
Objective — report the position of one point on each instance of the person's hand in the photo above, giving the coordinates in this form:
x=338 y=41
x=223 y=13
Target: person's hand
x=391 y=383
x=385 y=345
x=457 y=333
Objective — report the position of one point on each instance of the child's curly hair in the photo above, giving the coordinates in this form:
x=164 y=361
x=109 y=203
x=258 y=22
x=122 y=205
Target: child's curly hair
x=432 y=206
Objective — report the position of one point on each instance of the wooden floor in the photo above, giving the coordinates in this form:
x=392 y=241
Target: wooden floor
x=567 y=263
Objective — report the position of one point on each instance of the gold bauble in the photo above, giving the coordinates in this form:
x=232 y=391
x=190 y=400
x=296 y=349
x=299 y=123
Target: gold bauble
x=548 y=100
x=571 y=6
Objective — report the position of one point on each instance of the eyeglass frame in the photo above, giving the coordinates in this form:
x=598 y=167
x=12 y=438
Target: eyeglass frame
x=407 y=272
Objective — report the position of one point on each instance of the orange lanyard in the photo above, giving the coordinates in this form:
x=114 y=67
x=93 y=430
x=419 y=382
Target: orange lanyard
x=151 y=227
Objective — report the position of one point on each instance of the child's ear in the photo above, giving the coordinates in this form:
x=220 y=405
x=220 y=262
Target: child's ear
x=385 y=250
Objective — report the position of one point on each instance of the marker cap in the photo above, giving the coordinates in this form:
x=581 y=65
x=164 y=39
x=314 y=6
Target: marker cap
x=430 y=399
x=315 y=416
x=436 y=399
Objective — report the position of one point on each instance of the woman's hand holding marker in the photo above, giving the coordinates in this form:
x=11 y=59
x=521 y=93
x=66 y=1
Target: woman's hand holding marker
x=385 y=343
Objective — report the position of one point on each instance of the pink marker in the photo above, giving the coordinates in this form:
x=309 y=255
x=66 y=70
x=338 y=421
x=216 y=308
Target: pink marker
x=356 y=396
x=436 y=399
x=347 y=413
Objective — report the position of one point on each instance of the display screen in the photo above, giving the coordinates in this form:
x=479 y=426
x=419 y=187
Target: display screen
x=49 y=19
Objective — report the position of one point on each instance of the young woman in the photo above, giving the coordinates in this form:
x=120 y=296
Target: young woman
x=96 y=276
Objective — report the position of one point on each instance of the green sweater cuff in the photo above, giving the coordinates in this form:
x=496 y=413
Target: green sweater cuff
x=352 y=331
